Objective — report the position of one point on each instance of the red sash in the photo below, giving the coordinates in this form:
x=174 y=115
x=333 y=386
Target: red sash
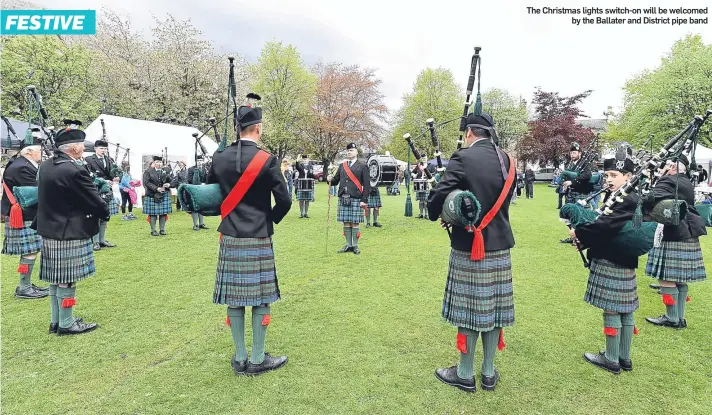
x=16 y=221
x=478 y=244
x=243 y=184
x=353 y=178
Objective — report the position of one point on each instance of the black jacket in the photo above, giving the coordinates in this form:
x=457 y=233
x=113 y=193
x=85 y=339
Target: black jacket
x=693 y=225
x=69 y=204
x=581 y=183
x=595 y=235
x=93 y=164
x=153 y=179
x=347 y=186
x=420 y=174
x=305 y=172
x=476 y=169
x=254 y=216
x=529 y=176
x=189 y=176
x=19 y=172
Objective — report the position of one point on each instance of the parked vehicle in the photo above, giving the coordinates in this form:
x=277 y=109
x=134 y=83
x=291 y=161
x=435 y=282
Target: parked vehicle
x=545 y=174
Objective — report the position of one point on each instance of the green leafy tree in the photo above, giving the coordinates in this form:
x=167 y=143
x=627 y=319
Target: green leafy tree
x=509 y=114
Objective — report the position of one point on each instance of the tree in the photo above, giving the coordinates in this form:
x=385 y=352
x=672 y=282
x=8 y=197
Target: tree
x=61 y=73
x=555 y=127
x=664 y=100
x=435 y=95
x=348 y=107
x=287 y=89
x=509 y=114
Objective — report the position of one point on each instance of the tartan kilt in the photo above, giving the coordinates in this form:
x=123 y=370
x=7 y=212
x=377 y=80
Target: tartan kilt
x=307 y=195
x=421 y=196
x=677 y=261
x=113 y=206
x=573 y=197
x=352 y=213
x=22 y=241
x=63 y=262
x=374 y=199
x=611 y=287
x=479 y=294
x=151 y=207
x=246 y=273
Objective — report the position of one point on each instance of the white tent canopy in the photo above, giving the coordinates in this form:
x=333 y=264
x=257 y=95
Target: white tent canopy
x=144 y=139
x=703 y=156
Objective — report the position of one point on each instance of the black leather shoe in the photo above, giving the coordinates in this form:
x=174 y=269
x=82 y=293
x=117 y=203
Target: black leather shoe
x=368 y=225
x=270 y=363
x=566 y=241
x=601 y=361
x=683 y=323
x=449 y=376
x=488 y=383
x=196 y=228
x=162 y=233
x=377 y=225
x=626 y=365
x=30 y=293
x=40 y=288
x=238 y=367
x=663 y=321
x=301 y=216
x=654 y=286
x=97 y=247
x=306 y=216
x=154 y=233
x=107 y=244
x=419 y=217
x=203 y=227
x=356 y=251
x=345 y=249
x=78 y=327
x=53 y=328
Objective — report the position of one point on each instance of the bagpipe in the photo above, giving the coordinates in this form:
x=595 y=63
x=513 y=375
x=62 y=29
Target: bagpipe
x=418 y=156
x=475 y=63
x=37 y=114
x=116 y=170
x=588 y=157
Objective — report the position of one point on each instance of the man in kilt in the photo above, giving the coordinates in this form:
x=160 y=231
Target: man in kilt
x=374 y=202
x=20 y=239
x=580 y=187
x=611 y=283
x=478 y=292
x=246 y=273
x=354 y=187
x=197 y=175
x=305 y=170
x=419 y=172
x=157 y=201
x=101 y=165
x=678 y=259
x=68 y=208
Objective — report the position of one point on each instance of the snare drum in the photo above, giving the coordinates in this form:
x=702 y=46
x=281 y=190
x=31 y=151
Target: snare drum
x=382 y=170
x=420 y=185
x=305 y=184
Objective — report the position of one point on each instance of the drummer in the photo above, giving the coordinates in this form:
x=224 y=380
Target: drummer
x=305 y=185
x=420 y=185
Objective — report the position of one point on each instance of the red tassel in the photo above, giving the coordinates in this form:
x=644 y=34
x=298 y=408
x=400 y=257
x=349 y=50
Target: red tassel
x=358 y=235
x=688 y=299
x=227 y=321
x=478 y=246
x=668 y=299
x=16 y=221
x=266 y=319
x=461 y=342
x=23 y=269
x=166 y=217
x=610 y=331
x=635 y=330
x=501 y=344
x=68 y=302
x=148 y=219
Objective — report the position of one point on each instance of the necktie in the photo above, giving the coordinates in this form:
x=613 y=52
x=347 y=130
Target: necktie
x=103 y=162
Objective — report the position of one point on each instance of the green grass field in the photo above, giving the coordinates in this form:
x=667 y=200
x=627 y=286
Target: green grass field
x=363 y=333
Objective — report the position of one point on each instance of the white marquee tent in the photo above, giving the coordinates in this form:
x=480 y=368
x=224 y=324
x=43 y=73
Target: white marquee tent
x=703 y=156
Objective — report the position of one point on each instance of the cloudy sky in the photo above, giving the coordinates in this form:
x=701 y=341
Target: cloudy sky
x=400 y=38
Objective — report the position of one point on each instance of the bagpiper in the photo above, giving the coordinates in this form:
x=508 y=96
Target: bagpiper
x=579 y=188
x=305 y=185
x=246 y=272
x=421 y=195
x=157 y=201
x=197 y=175
x=101 y=165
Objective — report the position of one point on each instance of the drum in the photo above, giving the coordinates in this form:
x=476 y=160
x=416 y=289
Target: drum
x=382 y=170
x=305 y=184
x=420 y=185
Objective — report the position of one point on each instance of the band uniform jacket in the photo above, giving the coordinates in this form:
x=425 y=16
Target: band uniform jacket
x=581 y=183
x=305 y=172
x=153 y=179
x=19 y=172
x=597 y=234
x=419 y=171
x=95 y=166
x=347 y=186
x=254 y=216
x=68 y=203
x=693 y=225
x=190 y=175
x=477 y=169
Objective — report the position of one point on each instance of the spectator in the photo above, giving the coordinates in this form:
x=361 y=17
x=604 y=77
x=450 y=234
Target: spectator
x=529 y=181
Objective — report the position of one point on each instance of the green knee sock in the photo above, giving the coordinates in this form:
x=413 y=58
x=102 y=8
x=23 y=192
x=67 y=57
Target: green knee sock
x=306 y=207
x=490 y=339
x=53 y=304
x=260 y=321
x=65 y=299
x=26 y=277
x=611 y=328
x=152 y=221
x=237 y=327
x=467 y=340
x=347 y=234
x=95 y=239
x=201 y=219
x=354 y=236
x=102 y=231
x=375 y=216
x=162 y=222
x=301 y=207
x=682 y=291
x=670 y=301
x=368 y=215
x=422 y=207
x=627 y=329
x=195 y=218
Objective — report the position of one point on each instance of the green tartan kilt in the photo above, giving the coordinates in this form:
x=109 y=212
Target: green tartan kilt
x=374 y=199
x=246 y=273
x=352 y=213
x=163 y=207
x=113 y=206
x=63 y=262
x=421 y=196
x=307 y=195
x=479 y=294
x=573 y=197
x=22 y=241
x=611 y=287
x=677 y=261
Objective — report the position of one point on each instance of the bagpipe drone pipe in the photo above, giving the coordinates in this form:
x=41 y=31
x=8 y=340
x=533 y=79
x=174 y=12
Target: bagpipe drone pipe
x=589 y=156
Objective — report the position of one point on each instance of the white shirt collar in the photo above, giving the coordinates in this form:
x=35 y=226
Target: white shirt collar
x=248 y=139
x=478 y=140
